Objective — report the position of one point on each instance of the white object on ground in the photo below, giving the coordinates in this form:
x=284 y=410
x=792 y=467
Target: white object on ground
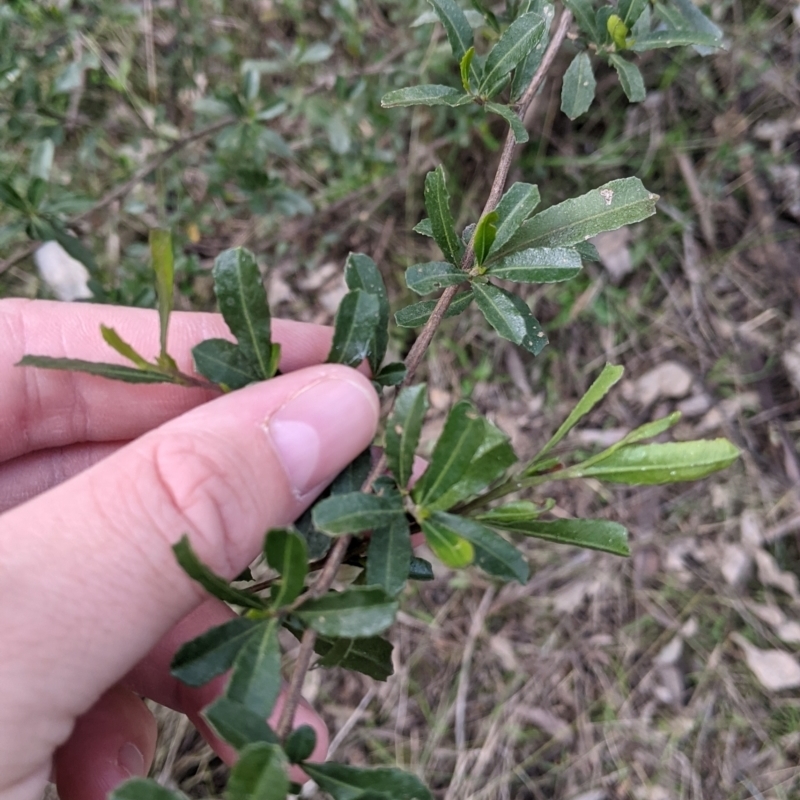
x=66 y=276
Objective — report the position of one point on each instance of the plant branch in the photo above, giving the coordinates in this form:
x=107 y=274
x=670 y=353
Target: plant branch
x=412 y=362
x=123 y=189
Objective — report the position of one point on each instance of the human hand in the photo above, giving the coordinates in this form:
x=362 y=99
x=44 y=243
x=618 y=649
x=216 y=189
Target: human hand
x=92 y=601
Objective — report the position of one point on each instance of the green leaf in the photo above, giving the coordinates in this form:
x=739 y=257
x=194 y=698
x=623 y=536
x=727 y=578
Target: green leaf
x=243 y=303
x=420 y=570
x=391 y=374
x=42 y=160
x=513 y=46
x=450 y=549
x=672 y=462
x=493 y=554
x=371 y=656
x=494 y=456
x=515 y=206
x=460 y=439
x=144 y=789
x=433 y=275
x=456 y=26
x=403 y=429
x=389 y=556
x=685 y=15
x=200 y=660
x=113 y=339
x=485 y=234
x=223 y=363
x=259 y=774
x=594 y=394
x=583 y=12
x=510 y=513
x=424 y=228
x=538 y=265
x=525 y=71
x=352 y=477
x=631 y=10
x=349 y=783
x=417 y=314
x=578 y=88
x=510 y=316
x=300 y=744
x=357 y=321
x=213 y=584
x=113 y=371
x=464 y=67
x=357 y=612
x=594 y=534
x=286 y=552
x=611 y=206
x=237 y=724
x=428 y=94
x=163 y=266
x=37 y=189
x=630 y=79
x=437 y=204
x=256 y=679
x=355 y=513
x=361 y=272
x=11 y=197
x=675 y=38
x=587 y=251
x=510 y=116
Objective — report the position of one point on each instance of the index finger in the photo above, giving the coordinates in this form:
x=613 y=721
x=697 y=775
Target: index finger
x=50 y=408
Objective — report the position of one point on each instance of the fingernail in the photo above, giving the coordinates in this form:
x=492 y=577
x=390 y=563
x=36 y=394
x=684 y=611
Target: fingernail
x=315 y=431
x=131 y=760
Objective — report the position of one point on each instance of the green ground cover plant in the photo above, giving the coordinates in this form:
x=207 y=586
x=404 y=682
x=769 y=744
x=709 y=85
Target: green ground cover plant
x=468 y=499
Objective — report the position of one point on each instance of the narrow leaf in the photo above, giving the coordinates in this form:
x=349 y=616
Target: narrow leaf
x=510 y=316
x=493 y=554
x=144 y=789
x=456 y=26
x=437 y=204
x=424 y=228
x=485 y=234
x=42 y=160
x=515 y=206
x=524 y=73
x=630 y=79
x=112 y=371
x=432 y=276
x=510 y=513
x=391 y=374
x=371 y=656
x=237 y=724
x=213 y=584
x=510 y=116
x=425 y=95
x=355 y=513
x=256 y=678
x=538 y=265
x=464 y=67
x=417 y=314
x=450 y=549
x=223 y=363
x=243 y=303
x=260 y=773
x=594 y=534
x=350 y=783
x=212 y=653
x=631 y=10
x=361 y=272
x=583 y=11
x=286 y=552
x=675 y=38
x=685 y=15
x=587 y=251
x=577 y=91
x=513 y=46
x=611 y=206
x=650 y=464
x=460 y=439
x=10 y=196
x=357 y=320
x=594 y=394
x=389 y=556
x=357 y=612
x=403 y=429
x=113 y=339
x=164 y=268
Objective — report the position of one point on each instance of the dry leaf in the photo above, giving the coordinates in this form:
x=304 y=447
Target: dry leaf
x=770 y=574
x=774 y=669
x=615 y=254
x=735 y=565
x=667 y=380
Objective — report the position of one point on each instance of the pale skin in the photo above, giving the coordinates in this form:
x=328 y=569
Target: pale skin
x=97 y=480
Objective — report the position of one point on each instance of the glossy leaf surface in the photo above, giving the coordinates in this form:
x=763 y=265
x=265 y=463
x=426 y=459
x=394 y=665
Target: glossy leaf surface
x=630 y=79
x=425 y=95
x=456 y=26
x=509 y=513
x=113 y=371
x=513 y=46
x=485 y=233
x=510 y=316
x=594 y=534
x=510 y=116
x=256 y=678
x=432 y=276
x=237 y=724
x=356 y=512
x=448 y=547
x=417 y=314
x=113 y=339
x=354 y=613
x=357 y=320
x=343 y=782
x=437 y=204
x=286 y=552
x=515 y=206
x=361 y=272
x=403 y=430
x=579 y=86
x=223 y=363
x=538 y=265
x=259 y=774
x=300 y=743
x=389 y=556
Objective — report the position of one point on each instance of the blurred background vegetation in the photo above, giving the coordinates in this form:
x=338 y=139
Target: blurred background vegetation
x=258 y=123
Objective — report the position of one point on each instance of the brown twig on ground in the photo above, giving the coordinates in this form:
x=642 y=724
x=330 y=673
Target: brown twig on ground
x=412 y=362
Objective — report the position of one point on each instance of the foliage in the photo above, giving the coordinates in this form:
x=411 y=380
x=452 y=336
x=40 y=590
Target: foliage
x=464 y=501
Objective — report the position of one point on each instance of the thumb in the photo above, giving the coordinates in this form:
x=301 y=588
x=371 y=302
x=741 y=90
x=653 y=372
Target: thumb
x=88 y=580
